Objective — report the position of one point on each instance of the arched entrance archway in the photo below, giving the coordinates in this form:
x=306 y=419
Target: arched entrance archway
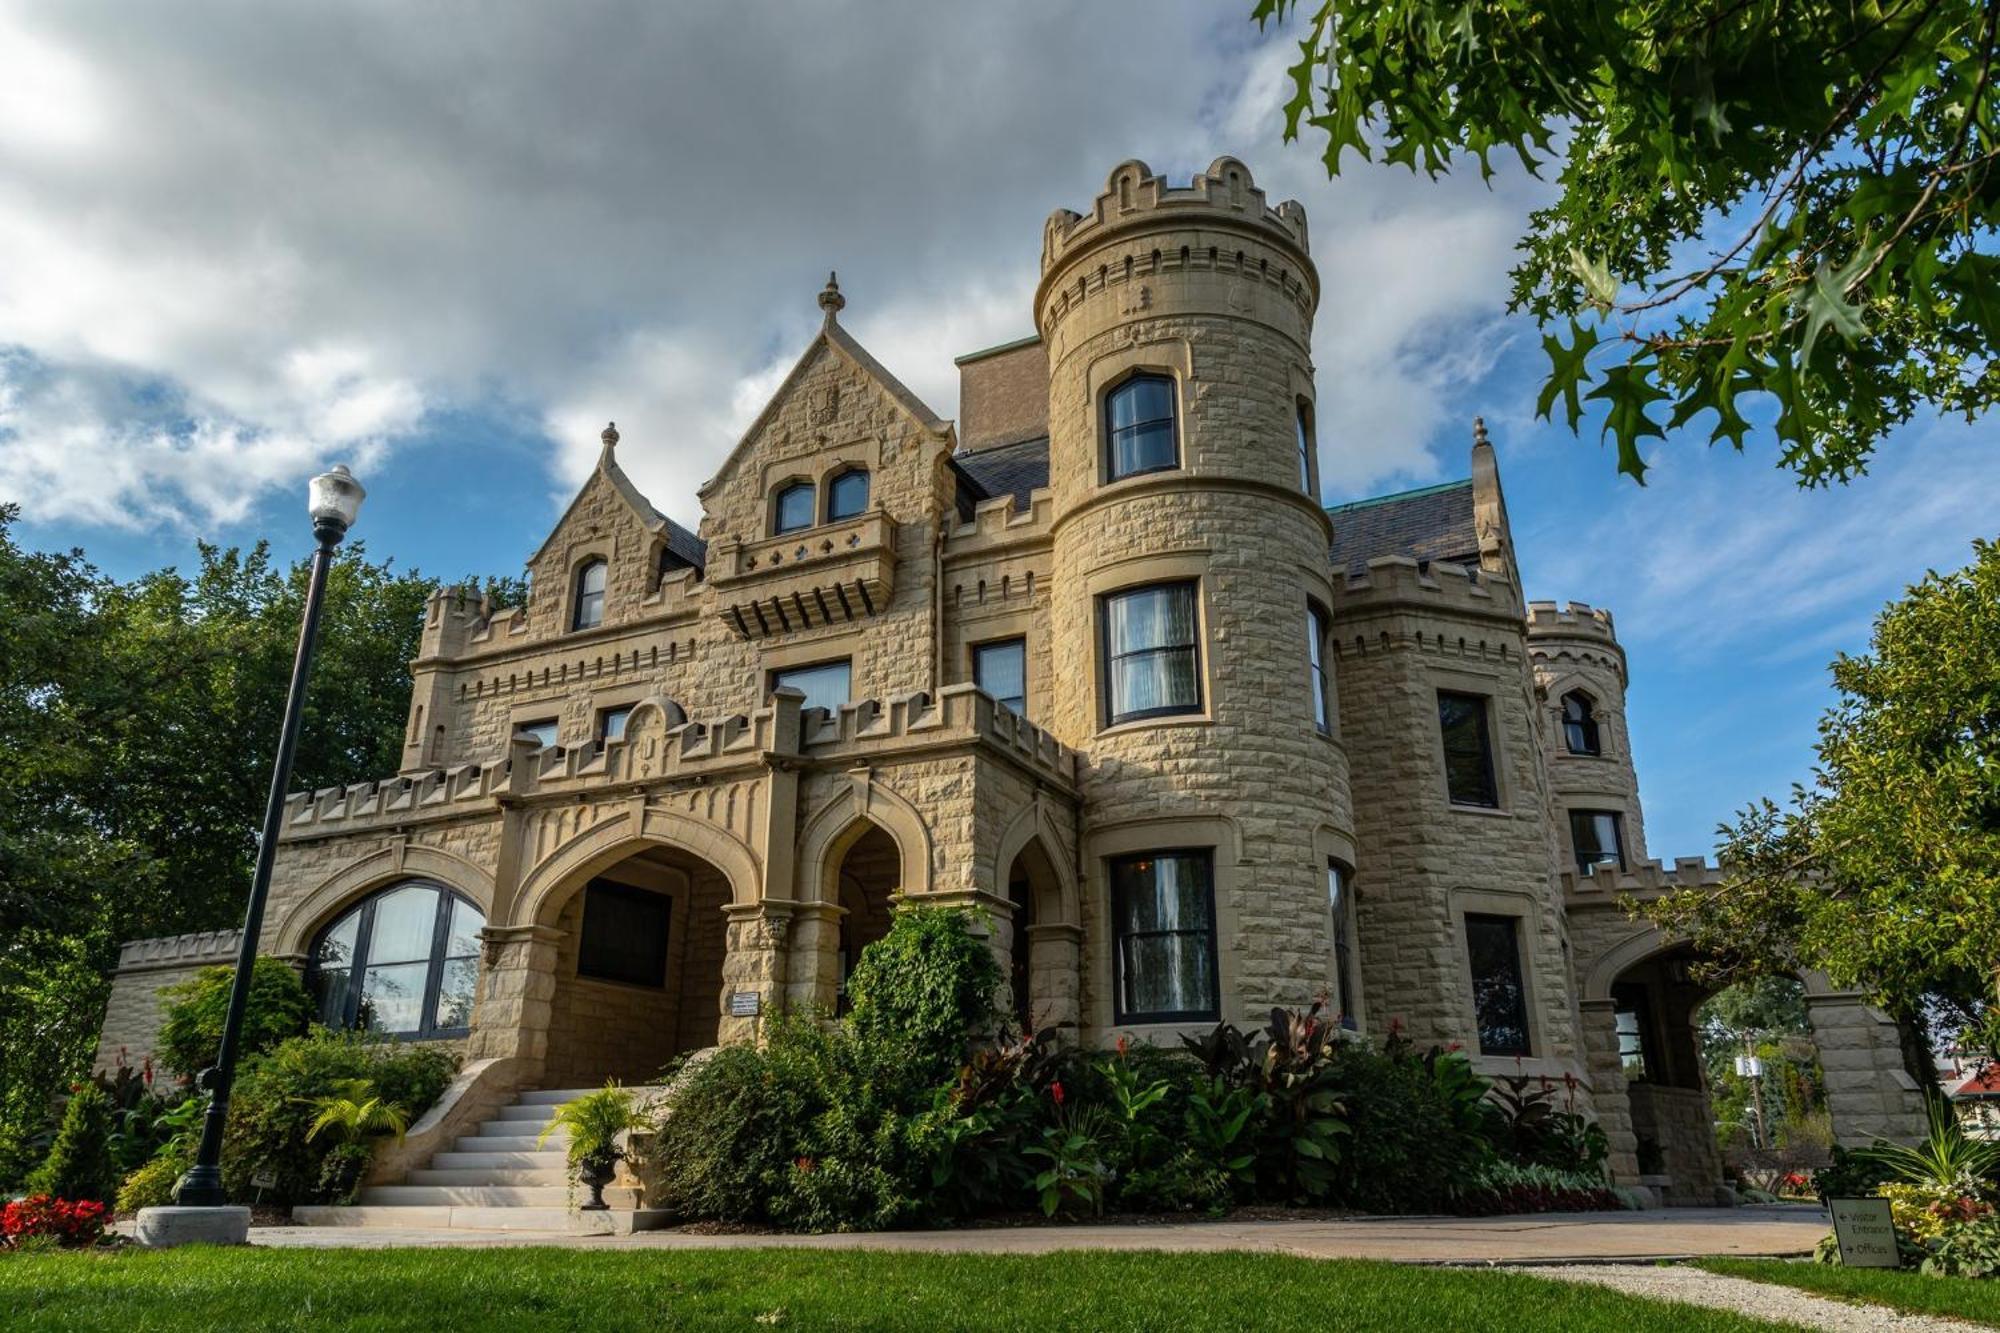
x=870 y=880
x=638 y=967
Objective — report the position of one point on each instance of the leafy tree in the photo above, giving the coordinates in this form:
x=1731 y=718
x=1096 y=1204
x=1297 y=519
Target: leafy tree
x=191 y=1036
x=1793 y=199
x=1885 y=873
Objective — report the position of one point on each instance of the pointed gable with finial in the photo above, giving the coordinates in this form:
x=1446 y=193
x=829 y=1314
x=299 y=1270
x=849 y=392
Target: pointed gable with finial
x=838 y=410
x=608 y=520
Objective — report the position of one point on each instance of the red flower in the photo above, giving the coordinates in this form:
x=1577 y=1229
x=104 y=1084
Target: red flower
x=72 y=1223
x=1124 y=1044
x=1055 y=1091
x=804 y=1164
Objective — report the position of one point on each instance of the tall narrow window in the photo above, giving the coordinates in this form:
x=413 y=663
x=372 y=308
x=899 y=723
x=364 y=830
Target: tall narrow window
x=541 y=732
x=403 y=961
x=1631 y=1019
x=1152 y=661
x=1139 y=427
x=1499 y=994
x=1304 y=420
x=1468 y=750
x=1340 y=906
x=1001 y=669
x=1597 y=839
x=1163 y=909
x=793 y=508
x=825 y=684
x=1579 y=724
x=589 y=596
x=1322 y=684
x=847 y=495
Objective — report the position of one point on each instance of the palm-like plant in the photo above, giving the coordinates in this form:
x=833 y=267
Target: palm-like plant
x=358 y=1112
x=594 y=1121
x=1947 y=1159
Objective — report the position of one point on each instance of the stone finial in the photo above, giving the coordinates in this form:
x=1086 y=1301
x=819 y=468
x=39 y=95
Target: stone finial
x=1479 y=440
x=610 y=438
x=830 y=299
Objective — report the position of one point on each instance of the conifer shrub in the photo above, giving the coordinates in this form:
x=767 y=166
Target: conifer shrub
x=79 y=1164
x=191 y=1036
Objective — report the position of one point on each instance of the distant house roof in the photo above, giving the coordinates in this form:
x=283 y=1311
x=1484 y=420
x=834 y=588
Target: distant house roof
x=1979 y=1085
x=1430 y=523
x=1009 y=469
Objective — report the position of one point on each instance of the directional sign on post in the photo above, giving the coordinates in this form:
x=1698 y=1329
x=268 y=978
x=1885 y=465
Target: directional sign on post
x=1864 y=1232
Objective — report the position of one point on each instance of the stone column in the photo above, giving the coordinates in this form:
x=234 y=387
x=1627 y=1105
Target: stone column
x=1609 y=1093
x=755 y=965
x=1055 y=977
x=1868 y=1091
x=517 y=987
x=812 y=970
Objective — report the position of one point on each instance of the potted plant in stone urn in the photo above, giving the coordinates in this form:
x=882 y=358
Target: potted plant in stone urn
x=594 y=1122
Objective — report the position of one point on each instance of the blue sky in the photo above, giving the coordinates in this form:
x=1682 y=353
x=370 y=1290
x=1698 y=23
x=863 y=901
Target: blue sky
x=445 y=246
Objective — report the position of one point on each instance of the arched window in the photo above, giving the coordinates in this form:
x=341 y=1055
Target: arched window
x=589 y=596
x=793 y=509
x=1580 y=724
x=847 y=495
x=1139 y=427
x=402 y=961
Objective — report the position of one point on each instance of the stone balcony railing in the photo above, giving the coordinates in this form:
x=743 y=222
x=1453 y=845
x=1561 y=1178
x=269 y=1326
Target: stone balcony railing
x=825 y=575
x=660 y=746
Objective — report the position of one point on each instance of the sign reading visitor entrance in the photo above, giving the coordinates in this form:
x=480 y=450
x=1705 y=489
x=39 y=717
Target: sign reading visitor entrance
x=745 y=1003
x=1866 y=1236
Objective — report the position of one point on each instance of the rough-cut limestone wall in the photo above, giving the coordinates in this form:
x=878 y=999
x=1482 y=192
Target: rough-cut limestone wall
x=1575 y=649
x=1228 y=314
x=1679 y=1121
x=1422 y=862
x=134 y=1011
x=1001 y=595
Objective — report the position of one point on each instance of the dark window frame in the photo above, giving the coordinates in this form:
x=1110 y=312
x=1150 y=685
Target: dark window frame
x=793 y=486
x=1308 y=448
x=1109 y=459
x=1582 y=735
x=773 y=678
x=427 y=1028
x=1019 y=641
x=1106 y=659
x=628 y=893
x=1212 y=1012
x=1482 y=714
x=1520 y=1018
x=1617 y=836
x=582 y=597
x=1340 y=910
x=1637 y=1001
x=604 y=716
x=1319 y=640
x=833 y=490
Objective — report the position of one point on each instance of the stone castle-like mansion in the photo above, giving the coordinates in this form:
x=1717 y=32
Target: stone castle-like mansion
x=1093 y=659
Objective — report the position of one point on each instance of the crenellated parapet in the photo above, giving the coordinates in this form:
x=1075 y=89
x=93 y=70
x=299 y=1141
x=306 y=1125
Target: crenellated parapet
x=997 y=524
x=1398 y=582
x=1573 y=636
x=958 y=715
x=203 y=948
x=1607 y=885
x=1575 y=620
x=1224 y=195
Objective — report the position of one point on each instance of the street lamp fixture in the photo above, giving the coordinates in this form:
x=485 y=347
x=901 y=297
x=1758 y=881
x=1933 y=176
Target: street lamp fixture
x=201 y=1211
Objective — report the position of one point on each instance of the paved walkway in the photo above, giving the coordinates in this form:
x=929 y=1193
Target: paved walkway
x=1544 y=1238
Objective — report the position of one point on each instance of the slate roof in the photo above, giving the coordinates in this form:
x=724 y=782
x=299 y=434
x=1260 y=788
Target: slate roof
x=684 y=545
x=1008 y=469
x=1431 y=523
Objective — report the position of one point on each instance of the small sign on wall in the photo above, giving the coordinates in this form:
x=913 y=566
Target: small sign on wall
x=1866 y=1235
x=745 y=1003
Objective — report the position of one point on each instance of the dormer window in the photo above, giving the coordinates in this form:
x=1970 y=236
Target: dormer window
x=793 y=510
x=1580 y=725
x=1139 y=431
x=847 y=495
x=589 y=612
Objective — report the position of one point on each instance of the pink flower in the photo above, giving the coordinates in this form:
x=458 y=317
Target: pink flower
x=1056 y=1091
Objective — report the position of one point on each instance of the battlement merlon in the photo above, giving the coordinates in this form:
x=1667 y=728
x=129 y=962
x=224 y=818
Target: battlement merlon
x=1394 y=582
x=661 y=745
x=1572 y=620
x=453 y=616
x=1223 y=196
x=1607 y=884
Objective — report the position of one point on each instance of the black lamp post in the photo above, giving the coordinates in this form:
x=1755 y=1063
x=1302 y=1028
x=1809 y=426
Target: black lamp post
x=334 y=502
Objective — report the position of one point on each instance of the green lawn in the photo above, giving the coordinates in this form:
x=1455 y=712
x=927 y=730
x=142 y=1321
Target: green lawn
x=1957 y=1297
x=751 y=1289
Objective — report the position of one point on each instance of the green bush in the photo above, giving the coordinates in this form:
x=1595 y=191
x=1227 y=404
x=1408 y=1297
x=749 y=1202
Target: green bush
x=152 y=1185
x=279 y=1094
x=1851 y=1174
x=191 y=1036
x=928 y=987
x=728 y=1138
x=79 y=1164
x=1417 y=1126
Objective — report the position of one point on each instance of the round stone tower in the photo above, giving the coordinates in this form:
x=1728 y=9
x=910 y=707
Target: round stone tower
x=1580 y=676
x=1191 y=576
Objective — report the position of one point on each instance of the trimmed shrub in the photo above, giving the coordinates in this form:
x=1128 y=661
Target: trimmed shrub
x=191 y=1036
x=928 y=988
x=79 y=1164
x=279 y=1094
x=152 y=1185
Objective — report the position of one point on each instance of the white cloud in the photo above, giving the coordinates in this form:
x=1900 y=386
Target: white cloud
x=315 y=233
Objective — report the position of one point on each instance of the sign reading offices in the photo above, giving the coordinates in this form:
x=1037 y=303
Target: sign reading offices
x=1866 y=1236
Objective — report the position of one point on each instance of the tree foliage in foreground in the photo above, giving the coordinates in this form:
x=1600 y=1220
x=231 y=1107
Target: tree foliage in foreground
x=1785 y=197
x=138 y=721
x=1885 y=873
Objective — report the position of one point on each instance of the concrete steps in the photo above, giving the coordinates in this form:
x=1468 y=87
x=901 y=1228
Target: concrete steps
x=504 y=1178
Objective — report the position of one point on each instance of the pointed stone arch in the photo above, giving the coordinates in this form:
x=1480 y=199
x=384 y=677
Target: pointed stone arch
x=1036 y=823
x=611 y=840
x=836 y=826
x=398 y=860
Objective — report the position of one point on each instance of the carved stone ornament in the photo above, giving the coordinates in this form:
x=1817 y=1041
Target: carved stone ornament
x=826 y=404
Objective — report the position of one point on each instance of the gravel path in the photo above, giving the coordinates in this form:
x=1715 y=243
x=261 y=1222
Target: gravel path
x=1759 y=1300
